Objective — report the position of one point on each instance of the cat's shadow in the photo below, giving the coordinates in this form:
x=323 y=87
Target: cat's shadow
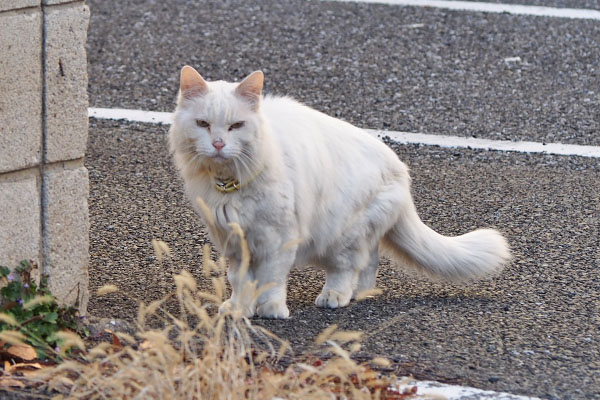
x=380 y=315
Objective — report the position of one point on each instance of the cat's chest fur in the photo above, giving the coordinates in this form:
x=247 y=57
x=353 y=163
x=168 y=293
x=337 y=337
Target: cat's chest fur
x=263 y=209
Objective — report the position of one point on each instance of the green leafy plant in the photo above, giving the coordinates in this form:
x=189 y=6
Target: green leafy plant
x=35 y=310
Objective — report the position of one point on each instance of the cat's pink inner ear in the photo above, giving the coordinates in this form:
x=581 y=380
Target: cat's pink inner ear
x=251 y=87
x=191 y=83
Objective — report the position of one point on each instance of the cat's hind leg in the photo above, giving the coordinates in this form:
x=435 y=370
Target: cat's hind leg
x=343 y=271
x=366 y=277
x=354 y=260
x=338 y=289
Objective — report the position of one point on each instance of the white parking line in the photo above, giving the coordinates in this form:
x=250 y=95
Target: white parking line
x=436 y=390
x=154 y=117
x=516 y=9
x=488 y=144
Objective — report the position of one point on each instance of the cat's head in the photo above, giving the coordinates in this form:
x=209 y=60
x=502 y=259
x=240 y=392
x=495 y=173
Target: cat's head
x=217 y=123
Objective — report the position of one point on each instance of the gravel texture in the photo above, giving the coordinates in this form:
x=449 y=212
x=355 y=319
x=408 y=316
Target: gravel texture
x=533 y=330
x=388 y=67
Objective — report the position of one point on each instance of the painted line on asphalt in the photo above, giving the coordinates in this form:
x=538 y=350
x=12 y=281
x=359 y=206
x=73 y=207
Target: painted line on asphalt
x=152 y=117
x=489 y=144
x=447 y=141
x=436 y=390
x=515 y=9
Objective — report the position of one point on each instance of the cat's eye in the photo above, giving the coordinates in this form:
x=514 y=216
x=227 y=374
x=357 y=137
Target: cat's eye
x=237 y=125
x=202 y=123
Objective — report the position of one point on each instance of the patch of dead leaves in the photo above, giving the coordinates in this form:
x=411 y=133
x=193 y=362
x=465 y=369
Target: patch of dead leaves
x=17 y=363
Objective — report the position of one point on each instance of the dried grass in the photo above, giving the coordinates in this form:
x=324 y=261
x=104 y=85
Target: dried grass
x=201 y=354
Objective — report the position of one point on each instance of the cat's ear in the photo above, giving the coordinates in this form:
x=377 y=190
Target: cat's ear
x=251 y=87
x=191 y=83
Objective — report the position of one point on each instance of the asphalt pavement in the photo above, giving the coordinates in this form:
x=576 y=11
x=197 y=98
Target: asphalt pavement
x=383 y=67
x=533 y=330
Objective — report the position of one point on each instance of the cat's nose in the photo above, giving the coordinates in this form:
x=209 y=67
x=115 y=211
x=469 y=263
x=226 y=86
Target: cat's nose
x=218 y=144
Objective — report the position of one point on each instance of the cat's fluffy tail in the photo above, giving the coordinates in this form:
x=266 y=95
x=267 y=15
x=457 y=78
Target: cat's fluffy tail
x=477 y=254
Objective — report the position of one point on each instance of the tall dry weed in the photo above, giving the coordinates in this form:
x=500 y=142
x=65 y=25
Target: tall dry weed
x=201 y=354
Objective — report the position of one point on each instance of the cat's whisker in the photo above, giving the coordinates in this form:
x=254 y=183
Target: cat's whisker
x=237 y=172
x=253 y=164
x=244 y=169
x=195 y=158
x=249 y=164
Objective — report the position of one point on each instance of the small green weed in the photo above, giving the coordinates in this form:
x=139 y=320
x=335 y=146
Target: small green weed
x=35 y=310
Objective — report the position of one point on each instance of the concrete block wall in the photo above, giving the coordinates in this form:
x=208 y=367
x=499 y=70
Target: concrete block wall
x=43 y=137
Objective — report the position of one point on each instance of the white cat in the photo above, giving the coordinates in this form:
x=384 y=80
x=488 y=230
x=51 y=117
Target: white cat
x=307 y=189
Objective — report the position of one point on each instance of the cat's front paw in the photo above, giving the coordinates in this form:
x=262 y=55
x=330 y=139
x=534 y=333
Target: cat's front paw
x=273 y=310
x=333 y=299
x=230 y=306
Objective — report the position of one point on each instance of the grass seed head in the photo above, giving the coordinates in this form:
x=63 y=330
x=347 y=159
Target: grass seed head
x=8 y=319
x=106 y=289
x=367 y=294
x=153 y=306
x=185 y=280
x=245 y=263
x=161 y=249
x=125 y=337
x=355 y=347
x=324 y=335
x=13 y=337
x=346 y=336
x=382 y=362
x=69 y=340
x=208 y=265
x=38 y=300
x=206 y=213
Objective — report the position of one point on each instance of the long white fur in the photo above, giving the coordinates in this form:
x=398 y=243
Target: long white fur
x=319 y=192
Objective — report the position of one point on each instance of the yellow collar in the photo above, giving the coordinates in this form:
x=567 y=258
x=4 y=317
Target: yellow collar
x=227 y=185
x=232 y=184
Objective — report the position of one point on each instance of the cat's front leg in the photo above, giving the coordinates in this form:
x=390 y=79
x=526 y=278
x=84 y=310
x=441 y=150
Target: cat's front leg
x=231 y=305
x=273 y=304
x=261 y=289
x=243 y=289
x=271 y=277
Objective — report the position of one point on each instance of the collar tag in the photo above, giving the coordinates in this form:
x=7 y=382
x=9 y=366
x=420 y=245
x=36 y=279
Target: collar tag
x=227 y=185
x=232 y=184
